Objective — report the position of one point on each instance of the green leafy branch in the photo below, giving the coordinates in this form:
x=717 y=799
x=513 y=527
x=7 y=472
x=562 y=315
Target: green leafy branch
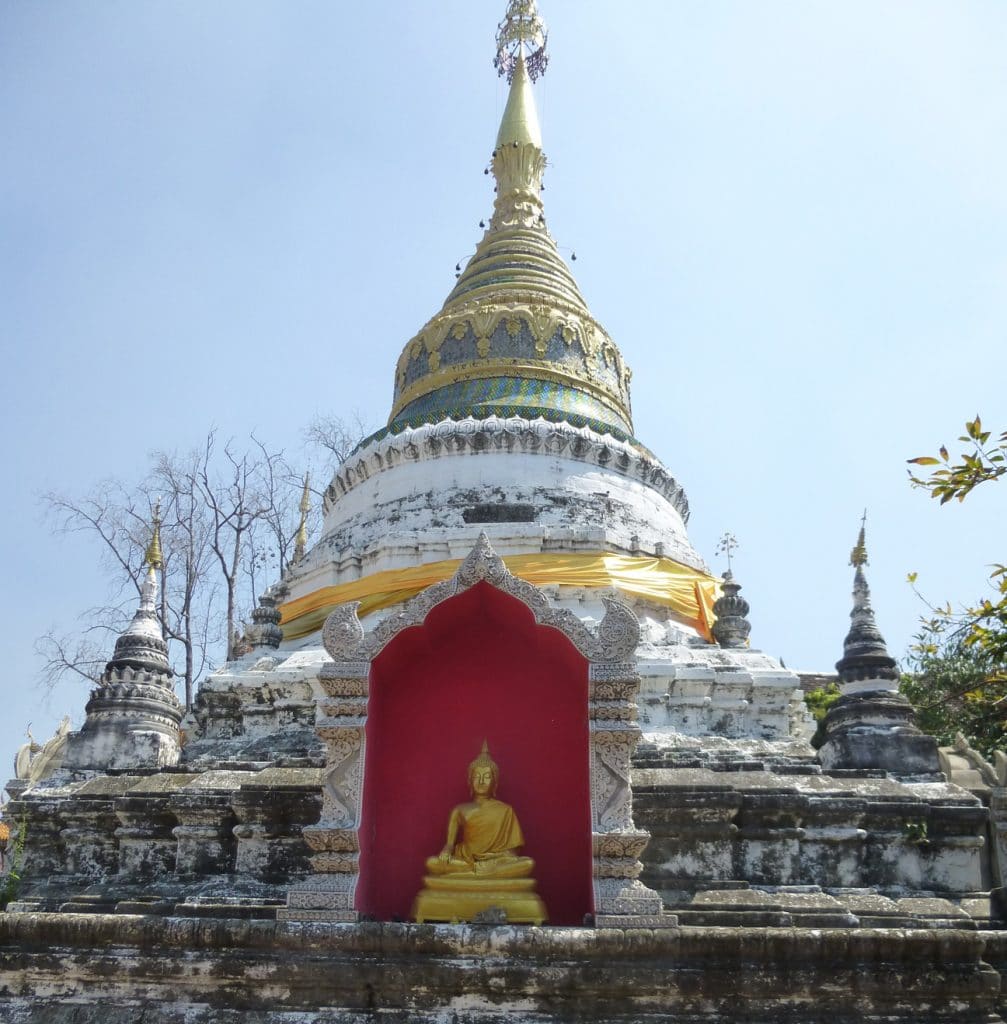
x=957 y=680
x=983 y=626
x=980 y=462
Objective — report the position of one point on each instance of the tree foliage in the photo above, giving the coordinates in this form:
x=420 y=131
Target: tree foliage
x=818 y=702
x=956 y=687
x=959 y=658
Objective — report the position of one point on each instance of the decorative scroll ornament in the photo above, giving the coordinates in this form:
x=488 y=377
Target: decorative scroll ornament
x=618 y=632
x=522 y=31
x=342 y=633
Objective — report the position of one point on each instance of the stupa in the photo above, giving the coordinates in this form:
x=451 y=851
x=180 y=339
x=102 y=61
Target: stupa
x=505 y=568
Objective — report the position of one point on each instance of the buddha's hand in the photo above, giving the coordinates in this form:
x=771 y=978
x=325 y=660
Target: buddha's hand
x=445 y=855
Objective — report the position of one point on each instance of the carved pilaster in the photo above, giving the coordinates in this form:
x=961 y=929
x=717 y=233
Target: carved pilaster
x=341 y=718
x=620 y=899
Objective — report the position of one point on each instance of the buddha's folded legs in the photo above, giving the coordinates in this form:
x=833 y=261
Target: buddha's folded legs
x=490 y=867
x=505 y=867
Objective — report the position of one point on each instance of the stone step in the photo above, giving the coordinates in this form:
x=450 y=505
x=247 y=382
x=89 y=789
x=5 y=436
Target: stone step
x=738 y=918
x=246 y=912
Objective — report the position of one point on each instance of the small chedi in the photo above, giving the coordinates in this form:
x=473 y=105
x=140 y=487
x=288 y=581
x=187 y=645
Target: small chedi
x=506 y=559
x=479 y=868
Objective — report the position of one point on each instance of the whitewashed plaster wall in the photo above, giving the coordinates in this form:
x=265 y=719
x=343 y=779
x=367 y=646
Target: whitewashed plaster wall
x=426 y=494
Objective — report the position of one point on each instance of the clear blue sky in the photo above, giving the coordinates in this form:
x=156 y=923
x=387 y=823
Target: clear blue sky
x=790 y=216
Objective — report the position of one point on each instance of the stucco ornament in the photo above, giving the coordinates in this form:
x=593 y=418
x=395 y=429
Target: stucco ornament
x=342 y=633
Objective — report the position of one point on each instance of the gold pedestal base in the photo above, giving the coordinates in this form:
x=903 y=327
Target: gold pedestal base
x=453 y=899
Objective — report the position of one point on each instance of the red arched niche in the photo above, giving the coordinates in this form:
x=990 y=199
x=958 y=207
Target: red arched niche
x=478 y=668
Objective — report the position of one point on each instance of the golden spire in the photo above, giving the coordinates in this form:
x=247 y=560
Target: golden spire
x=858 y=556
x=153 y=558
x=519 y=125
x=301 y=543
x=515 y=336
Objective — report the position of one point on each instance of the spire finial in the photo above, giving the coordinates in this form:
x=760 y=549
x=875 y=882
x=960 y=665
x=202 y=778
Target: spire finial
x=301 y=543
x=518 y=160
x=727 y=545
x=864 y=652
x=858 y=556
x=521 y=39
x=153 y=558
x=731 y=627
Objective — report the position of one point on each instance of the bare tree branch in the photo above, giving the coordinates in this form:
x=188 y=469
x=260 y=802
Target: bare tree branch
x=229 y=517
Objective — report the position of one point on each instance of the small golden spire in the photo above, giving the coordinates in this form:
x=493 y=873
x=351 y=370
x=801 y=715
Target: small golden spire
x=301 y=543
x=153 y=558
x=858 y=556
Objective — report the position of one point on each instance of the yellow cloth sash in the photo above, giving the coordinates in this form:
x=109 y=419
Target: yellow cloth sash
x=688 y=593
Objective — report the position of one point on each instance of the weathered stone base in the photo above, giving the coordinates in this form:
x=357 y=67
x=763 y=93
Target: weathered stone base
x=87 y=969
x=899 y=751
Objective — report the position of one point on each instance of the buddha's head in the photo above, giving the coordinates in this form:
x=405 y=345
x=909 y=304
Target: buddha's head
x=484 y=774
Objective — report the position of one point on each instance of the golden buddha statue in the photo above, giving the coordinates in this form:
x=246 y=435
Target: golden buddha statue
x=479 y=868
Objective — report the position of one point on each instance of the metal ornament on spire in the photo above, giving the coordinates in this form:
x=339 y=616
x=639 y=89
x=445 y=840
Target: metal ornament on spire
x=522 y=31
x=858 y=556
x=153 y=557
x=727 y=545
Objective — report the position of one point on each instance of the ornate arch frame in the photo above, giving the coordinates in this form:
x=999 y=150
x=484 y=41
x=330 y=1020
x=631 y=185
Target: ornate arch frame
x=620 y=899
